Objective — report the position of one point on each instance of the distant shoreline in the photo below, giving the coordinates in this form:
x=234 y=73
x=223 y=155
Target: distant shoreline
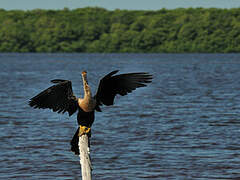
x=97 y=30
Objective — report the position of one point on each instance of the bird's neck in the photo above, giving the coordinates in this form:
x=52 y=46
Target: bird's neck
x=87 y=91
x=88 y=103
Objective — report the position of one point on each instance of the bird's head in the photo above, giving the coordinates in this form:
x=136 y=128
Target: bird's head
x=84 y=77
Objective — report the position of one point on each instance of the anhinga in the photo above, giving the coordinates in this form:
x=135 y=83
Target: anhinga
x=60 y=97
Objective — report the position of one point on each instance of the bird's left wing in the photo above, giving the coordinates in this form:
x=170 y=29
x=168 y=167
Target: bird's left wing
x=59 y=98
x=122 y=84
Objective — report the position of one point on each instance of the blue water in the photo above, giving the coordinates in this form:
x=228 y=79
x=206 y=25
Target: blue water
x=184 y=125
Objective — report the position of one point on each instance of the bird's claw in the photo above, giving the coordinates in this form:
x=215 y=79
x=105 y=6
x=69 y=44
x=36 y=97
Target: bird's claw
x=84 y=130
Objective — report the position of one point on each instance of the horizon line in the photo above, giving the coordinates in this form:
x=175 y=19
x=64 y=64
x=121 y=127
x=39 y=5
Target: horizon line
x=67 y=8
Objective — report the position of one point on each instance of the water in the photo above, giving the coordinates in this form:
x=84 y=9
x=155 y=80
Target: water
x=184 y=125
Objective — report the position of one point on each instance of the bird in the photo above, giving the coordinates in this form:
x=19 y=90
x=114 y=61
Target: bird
x=60 y=98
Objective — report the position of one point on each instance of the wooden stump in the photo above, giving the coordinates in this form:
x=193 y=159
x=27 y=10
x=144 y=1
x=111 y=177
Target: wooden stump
x=85 y=161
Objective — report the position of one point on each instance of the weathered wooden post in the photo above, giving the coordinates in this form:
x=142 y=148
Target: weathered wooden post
x=84 y=154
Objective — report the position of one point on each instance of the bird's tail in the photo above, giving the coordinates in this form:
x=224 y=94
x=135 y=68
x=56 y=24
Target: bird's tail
x=74 y=143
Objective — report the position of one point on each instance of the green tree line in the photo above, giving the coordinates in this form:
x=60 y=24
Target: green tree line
x=99 y=30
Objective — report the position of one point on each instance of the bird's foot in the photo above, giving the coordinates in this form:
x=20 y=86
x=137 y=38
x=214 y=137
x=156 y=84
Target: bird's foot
x=84 y=130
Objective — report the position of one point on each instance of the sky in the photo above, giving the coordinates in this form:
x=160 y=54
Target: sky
x=116 y=4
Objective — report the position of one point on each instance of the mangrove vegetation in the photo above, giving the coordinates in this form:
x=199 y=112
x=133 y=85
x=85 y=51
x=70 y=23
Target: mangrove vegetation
x=100 y=30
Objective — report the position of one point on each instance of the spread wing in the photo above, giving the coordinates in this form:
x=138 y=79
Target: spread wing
x=122 y=84
x=59 y=98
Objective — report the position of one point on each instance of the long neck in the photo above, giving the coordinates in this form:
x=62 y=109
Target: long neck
x=87 y=90
x=87 y=104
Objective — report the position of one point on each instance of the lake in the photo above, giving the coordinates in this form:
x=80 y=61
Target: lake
x=184 y=125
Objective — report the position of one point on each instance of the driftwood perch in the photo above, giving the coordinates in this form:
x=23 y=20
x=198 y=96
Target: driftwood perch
x=84 y=155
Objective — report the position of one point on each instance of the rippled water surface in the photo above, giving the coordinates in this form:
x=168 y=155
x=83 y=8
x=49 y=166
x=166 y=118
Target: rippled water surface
x=184 y=125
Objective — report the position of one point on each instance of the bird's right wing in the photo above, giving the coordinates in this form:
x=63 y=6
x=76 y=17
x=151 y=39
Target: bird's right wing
x=59 y=98
x=122 y=84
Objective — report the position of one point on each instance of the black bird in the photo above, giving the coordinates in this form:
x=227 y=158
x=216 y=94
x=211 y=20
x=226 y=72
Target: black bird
x=60 y=98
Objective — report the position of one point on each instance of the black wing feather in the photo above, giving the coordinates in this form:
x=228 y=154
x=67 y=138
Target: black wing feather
x=122 y=84
x=59 y=98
